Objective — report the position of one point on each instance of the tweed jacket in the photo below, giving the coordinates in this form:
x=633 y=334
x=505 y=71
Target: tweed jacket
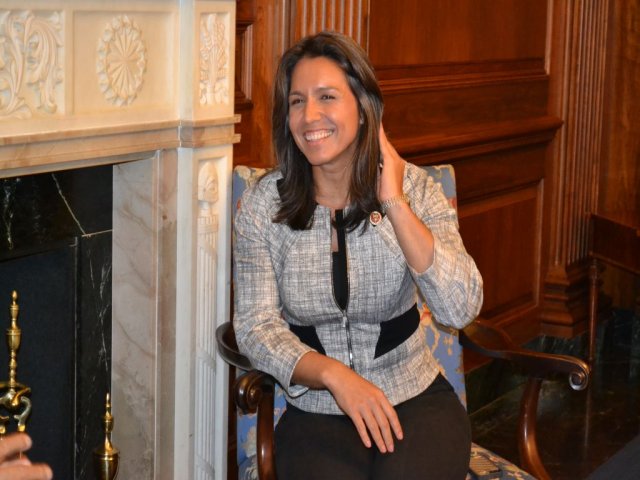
x=284 y=277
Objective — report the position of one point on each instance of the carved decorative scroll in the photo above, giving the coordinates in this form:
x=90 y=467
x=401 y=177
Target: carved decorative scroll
x=30 y=50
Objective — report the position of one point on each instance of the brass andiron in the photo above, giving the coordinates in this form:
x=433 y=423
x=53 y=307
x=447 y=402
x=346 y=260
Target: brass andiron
x=106 y=456
x=14 y=397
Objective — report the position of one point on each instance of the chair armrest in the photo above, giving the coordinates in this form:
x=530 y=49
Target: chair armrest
x=253 y=391
x=250 y=388
x=228 y=347
x=494 y=342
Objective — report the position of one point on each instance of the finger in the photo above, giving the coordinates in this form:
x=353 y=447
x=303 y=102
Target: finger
x=387 y=150
x=385 y=429
x=383 y=135
x=374 y=431
x=21 y=460
x=383 y=142
x=394 y=421
x=362 y=431
x=13 y=444
x=22 y=472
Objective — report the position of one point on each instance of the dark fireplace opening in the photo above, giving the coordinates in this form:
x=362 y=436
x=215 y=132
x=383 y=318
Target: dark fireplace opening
x=55 y=251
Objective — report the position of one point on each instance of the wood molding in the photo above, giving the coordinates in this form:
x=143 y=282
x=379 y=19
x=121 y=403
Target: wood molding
x=577 y=72
x=481 y=139
x=415 y=78
x=347 y=16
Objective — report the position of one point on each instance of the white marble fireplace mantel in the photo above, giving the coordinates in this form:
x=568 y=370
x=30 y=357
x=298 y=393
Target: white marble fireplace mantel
x=148 y=86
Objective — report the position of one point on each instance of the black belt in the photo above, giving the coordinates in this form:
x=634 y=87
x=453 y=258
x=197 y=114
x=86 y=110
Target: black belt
x=392 y=332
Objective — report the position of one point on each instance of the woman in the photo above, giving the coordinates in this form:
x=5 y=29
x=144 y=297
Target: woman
x=15 y=466
x=331 y=251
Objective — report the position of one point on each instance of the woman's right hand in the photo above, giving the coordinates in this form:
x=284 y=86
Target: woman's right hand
x=14 y=465
x=366 y=405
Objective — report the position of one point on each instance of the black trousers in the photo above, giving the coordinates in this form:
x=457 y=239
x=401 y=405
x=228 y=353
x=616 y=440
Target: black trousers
x=436 y=444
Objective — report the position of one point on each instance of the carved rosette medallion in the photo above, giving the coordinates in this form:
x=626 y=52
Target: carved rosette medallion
x=122 y=61
x=214 y=59
x=30 y=50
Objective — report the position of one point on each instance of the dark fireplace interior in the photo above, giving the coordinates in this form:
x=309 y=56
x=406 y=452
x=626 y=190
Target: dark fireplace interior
x=55 y=251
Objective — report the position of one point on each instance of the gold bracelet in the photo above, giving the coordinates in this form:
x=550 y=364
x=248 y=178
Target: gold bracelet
x=390 y=202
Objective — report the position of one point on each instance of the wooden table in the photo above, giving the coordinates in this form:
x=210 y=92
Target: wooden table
x=614 y=239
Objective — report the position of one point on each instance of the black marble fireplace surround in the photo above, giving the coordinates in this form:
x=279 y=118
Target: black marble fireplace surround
x=55 y=251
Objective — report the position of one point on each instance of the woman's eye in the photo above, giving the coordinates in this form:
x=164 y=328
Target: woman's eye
x=295 y=101
x=326 y=96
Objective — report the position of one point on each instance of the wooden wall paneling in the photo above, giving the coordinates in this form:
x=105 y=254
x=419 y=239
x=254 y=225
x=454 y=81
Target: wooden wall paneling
x=577 y=67
x=419 y=32
x=263 y=31
x=345 y=16
x=245 y=18
x=509 y=263
x=501 y=227
x=619 y=187
x=465 y=82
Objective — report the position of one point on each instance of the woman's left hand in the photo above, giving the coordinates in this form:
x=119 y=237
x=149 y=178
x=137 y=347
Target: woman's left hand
x=414 y=238
x=392 y=174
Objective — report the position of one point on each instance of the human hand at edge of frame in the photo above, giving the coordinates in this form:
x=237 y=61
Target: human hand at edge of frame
x=14 y=465
x=368 y=407
x=392 y=169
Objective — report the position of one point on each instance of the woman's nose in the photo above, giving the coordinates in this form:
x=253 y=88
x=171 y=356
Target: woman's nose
x=311 y=111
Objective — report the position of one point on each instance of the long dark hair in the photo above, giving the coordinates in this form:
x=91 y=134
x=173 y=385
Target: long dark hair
x=297 y=193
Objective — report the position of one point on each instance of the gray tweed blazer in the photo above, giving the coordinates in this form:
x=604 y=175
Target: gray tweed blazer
x=284 y=277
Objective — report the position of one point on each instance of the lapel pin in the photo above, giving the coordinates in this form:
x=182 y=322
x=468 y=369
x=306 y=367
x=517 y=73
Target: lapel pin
x=375 y=218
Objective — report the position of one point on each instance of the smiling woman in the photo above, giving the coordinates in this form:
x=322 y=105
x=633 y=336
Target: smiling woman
x=331 y=251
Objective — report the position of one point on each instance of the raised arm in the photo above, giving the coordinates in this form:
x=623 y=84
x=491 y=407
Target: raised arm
x=427 y=232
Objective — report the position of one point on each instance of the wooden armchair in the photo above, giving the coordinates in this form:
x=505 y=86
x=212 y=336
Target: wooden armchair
x=257 y=392
x=254 y=391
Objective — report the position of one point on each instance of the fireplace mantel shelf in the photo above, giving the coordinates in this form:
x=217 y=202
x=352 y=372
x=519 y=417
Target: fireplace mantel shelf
x=81 y=144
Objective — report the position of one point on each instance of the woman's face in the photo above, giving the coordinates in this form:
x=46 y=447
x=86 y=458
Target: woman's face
x=323 y=113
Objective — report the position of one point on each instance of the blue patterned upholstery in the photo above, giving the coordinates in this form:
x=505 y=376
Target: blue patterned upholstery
x=442 y=341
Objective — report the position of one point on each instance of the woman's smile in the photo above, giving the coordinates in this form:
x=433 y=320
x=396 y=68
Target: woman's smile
x=316 y=135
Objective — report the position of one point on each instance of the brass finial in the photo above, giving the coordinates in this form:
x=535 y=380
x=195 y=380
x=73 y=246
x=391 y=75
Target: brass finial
x=106 y=456
x=14 y=395
x=14 y=335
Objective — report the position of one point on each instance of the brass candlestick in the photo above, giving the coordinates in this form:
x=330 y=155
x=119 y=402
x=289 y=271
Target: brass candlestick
x=106 y=456
x=15 y=394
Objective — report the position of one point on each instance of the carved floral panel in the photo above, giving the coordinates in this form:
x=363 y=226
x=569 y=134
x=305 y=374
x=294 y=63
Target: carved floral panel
x=215 y=56
x=31 y=48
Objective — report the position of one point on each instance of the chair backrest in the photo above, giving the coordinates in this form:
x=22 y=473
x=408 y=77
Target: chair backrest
x=442 y=341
